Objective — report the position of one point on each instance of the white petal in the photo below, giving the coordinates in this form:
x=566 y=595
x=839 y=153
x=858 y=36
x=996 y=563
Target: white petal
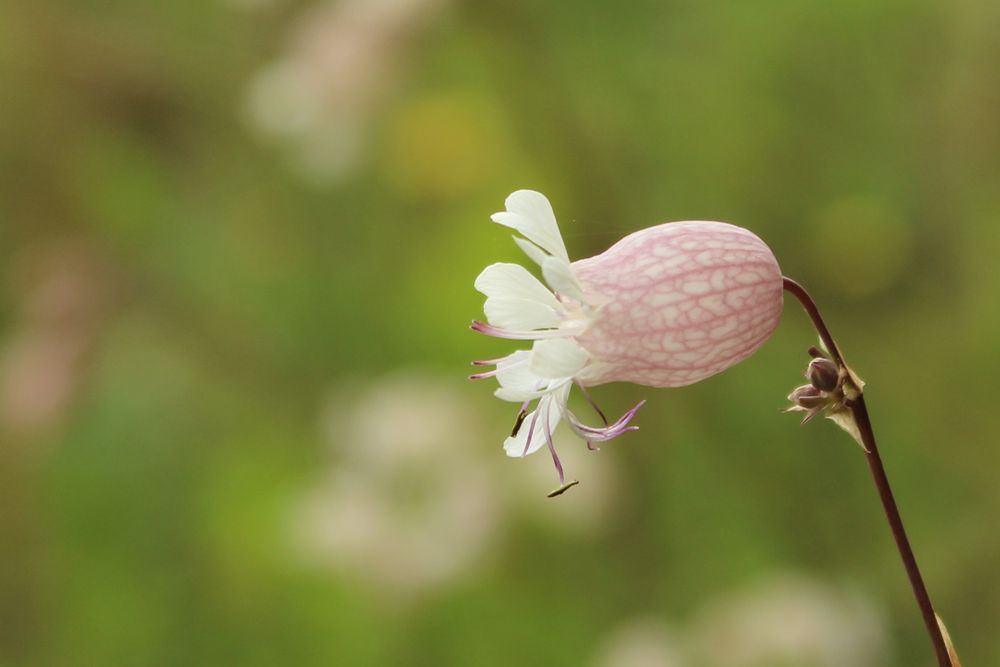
x=560 y=277
x=530 y=213
x=557 y=358
x=516 y=375
x=518 y=383
x=520 y=314
x=534 y=253
x=513 y=359
x=517 y=395
x=514 y=281
x=549 y=409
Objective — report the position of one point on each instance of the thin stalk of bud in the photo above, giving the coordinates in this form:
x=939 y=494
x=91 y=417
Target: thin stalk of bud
x=856 y=413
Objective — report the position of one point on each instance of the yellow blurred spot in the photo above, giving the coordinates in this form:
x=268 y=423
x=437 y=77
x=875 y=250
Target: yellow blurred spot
x=862 y=245
x=443 y=145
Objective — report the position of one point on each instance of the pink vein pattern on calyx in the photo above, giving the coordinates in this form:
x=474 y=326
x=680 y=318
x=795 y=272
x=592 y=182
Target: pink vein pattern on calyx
x=680 y=302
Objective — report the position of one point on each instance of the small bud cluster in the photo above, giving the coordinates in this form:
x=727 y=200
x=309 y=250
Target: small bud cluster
x=825 y=388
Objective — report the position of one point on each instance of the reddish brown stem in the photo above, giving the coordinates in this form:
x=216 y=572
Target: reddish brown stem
x=864 y=425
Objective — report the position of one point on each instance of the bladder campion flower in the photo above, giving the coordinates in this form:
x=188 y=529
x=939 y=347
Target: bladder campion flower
x=664 y=307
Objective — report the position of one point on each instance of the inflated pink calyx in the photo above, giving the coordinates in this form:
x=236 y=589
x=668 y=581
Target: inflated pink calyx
x=663 y=307
x=678 y=302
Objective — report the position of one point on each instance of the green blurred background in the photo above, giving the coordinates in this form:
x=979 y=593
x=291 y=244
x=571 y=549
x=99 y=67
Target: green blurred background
x=237 y=243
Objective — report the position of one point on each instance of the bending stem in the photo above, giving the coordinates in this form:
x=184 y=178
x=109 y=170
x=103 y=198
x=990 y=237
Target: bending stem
x=864 y=425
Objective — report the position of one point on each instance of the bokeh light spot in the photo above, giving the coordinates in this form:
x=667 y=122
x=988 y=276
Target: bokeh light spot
x=862 y=245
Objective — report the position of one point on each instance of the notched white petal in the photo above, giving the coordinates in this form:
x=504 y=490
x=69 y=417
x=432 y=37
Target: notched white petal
x=530 y=213
x=534 y=253
x=507 y=280
x=557 y=358
x=560 y=277
x=520 y=314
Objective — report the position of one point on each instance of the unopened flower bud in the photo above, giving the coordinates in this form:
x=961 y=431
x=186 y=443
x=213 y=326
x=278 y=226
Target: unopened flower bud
x=823 y=374
x=807 y=396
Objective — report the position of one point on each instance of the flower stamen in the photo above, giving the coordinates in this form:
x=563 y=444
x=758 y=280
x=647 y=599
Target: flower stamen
x=531 y=432
x=563 y=489
x=497 y=332
x=594 y=434
x=521 y=414
x=551 y=446
x=487 y=362
x=593 y=403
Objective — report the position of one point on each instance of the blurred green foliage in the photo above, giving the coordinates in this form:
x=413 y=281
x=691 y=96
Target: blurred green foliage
x=184 y=291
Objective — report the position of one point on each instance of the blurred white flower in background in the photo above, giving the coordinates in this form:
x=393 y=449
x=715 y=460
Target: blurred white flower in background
x=252 y=5
x=641 y=642
x=412 y=498
x=342 y=60
x=790 y=620
x=784 y=620
x=410 y=501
